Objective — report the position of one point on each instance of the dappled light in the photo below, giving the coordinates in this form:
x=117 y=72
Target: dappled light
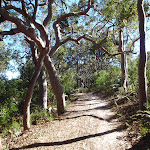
x=74 y=74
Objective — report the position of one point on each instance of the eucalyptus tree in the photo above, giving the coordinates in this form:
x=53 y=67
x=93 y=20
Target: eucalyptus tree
x=143 y=57
x=25 y=17
x=42 y=77
x=122 y=14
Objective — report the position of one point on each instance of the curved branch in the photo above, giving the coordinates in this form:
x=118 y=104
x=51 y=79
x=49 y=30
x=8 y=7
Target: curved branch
x=84 y=12
x=57 y=28
x=134 y=42
x=49 y=16
x=22 y=27
x=20 y=11
x=57 y=45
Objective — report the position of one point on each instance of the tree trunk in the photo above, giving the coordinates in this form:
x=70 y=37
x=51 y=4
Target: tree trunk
x=42 y=77
x=0 y=144
x=42 y=89
x=124 y=69
x=56 y=86
x=26 y=113
x=142 y=57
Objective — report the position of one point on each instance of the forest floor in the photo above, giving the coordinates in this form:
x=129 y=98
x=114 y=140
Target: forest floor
x=88 y=124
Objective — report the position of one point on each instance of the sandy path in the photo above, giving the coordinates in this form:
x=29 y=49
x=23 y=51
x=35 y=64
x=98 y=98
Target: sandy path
x=87 y=125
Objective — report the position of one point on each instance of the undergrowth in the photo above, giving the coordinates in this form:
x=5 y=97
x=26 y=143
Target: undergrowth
x=136 y=122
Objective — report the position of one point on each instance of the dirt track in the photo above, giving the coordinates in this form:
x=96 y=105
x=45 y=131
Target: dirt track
x=88 y=124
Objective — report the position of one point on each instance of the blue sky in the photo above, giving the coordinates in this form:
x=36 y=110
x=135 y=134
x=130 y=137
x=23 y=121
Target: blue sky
x=10 y=74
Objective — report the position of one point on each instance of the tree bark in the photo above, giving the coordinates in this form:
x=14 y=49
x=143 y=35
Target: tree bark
x=42 y=77
x=142 y=58
x=56 y=86
x=0 y=144
x=124 y=69
x=26 y=113
x=42 y=89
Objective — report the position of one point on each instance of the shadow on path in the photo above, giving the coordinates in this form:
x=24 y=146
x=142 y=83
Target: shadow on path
x=96 y=117
x=68 y=141
x=105 y=107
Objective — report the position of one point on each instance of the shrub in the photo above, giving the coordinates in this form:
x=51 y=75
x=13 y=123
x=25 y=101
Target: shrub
x=8 y=122
x=108 y=81
x=141 y=122
x=41 y=115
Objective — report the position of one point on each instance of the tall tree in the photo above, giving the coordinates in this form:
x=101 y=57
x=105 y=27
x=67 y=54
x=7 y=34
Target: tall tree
x=25 y=20
x=142 y=57
x=121 y=14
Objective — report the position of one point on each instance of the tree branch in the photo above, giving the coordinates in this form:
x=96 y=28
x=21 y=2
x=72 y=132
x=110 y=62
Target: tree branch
x=11 y=32
x=20 y=11
x=22 y=27
x=33 y=50
x=63 y=17
x=35 y=9
x=57 y=28
x=134 y=42
x=58 y=44
x=49 y=16
x=103 y=49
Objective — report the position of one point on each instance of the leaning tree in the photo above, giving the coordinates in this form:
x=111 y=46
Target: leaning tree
x=25 y=17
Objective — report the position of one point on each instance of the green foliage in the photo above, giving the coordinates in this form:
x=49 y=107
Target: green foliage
x=11 y=91
x=8 y=121
x=142 y=120
x=4 y=56
x=11 y=101
x=133 y=71
x=108 y=81
x=68 y=82
x=121 y=12
x=40 y=115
